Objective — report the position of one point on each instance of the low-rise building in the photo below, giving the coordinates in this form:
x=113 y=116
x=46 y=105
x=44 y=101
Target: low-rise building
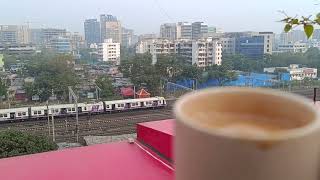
x=15 y=49
x=296 y=47
x=295 y=72
x=60 y=45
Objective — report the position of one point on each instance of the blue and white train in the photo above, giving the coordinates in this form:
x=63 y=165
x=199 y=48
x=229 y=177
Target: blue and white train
x=38 y=112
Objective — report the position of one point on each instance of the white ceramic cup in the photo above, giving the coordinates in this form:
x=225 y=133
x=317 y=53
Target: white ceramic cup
x=204 y=152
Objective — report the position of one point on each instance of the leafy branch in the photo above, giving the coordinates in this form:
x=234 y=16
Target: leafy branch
x=308 y=23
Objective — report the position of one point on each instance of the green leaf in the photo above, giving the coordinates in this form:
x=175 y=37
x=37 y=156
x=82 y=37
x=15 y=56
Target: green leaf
x=308 y=29
x=317 y=20
x=318 y=16
x=287 y=28
x=295 y=21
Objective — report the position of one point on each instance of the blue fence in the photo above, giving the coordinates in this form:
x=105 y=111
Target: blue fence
x=252 y=80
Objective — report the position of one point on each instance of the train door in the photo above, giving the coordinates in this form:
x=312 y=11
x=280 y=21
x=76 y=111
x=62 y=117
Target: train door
x=127 y=106
x=63 y=111
x=12 y=115
x=29 y=112
x=113 y=107
x=155 y=103
x=141 y=104
x=45 y=112
x=79 y=109
x=104 y=106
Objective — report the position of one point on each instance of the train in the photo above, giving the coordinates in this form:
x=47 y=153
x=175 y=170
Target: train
x=38 y=112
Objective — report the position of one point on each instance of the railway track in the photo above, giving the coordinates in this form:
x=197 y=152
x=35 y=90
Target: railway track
x=102 y=124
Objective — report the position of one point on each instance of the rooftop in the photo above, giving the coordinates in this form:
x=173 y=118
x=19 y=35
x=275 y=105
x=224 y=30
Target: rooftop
x=122 y=160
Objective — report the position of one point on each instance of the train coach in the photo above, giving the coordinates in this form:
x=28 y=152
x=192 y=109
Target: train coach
x=38 y=112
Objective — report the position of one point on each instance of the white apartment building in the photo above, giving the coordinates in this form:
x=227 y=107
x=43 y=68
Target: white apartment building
x=296 y=47
x=296 y=73
x=204 y=52
x=109 y=52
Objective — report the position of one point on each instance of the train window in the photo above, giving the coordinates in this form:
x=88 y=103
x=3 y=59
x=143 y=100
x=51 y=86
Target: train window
x=85 y=108
x=73 y=109
x=133 y=104
x=69 y=109
x=19 y=114
x=1 y=115
x=108 y=106
x=5 y=115
x=39 y=112
x=137 y=103
x=24 y=113
x=57 y=110
x=122 y=105
x=35 y=112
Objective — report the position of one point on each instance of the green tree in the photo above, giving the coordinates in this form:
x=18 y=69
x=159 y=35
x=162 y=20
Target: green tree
x=52 y=75
x=3 y=89
x=220 y=73
x=107 y=89
x=9 y=61
x=30 y=90
x=142 y=73
x=14 y=143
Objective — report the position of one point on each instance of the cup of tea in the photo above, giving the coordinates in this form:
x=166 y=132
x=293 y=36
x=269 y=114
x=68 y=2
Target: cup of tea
x=246 y=134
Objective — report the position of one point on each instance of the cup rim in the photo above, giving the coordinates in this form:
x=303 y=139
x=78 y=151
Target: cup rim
x=276 y=136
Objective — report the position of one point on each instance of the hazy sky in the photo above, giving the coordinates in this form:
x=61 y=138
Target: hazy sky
x=145 y=16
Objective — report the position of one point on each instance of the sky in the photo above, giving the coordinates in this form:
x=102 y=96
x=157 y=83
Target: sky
x=146 y=16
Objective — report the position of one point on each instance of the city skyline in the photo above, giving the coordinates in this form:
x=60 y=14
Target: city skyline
x=146 y=16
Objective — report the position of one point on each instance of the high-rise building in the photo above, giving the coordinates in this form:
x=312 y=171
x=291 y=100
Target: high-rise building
x=168 y=31
x=49 y=34
x=114 y=31
x=77 y=41
x=103 y=28
x=199 y=30
x=14 y=34
x=92 y=31
x=36 y=36
x=109 y=52
x=184 y=30
x=127 y=37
